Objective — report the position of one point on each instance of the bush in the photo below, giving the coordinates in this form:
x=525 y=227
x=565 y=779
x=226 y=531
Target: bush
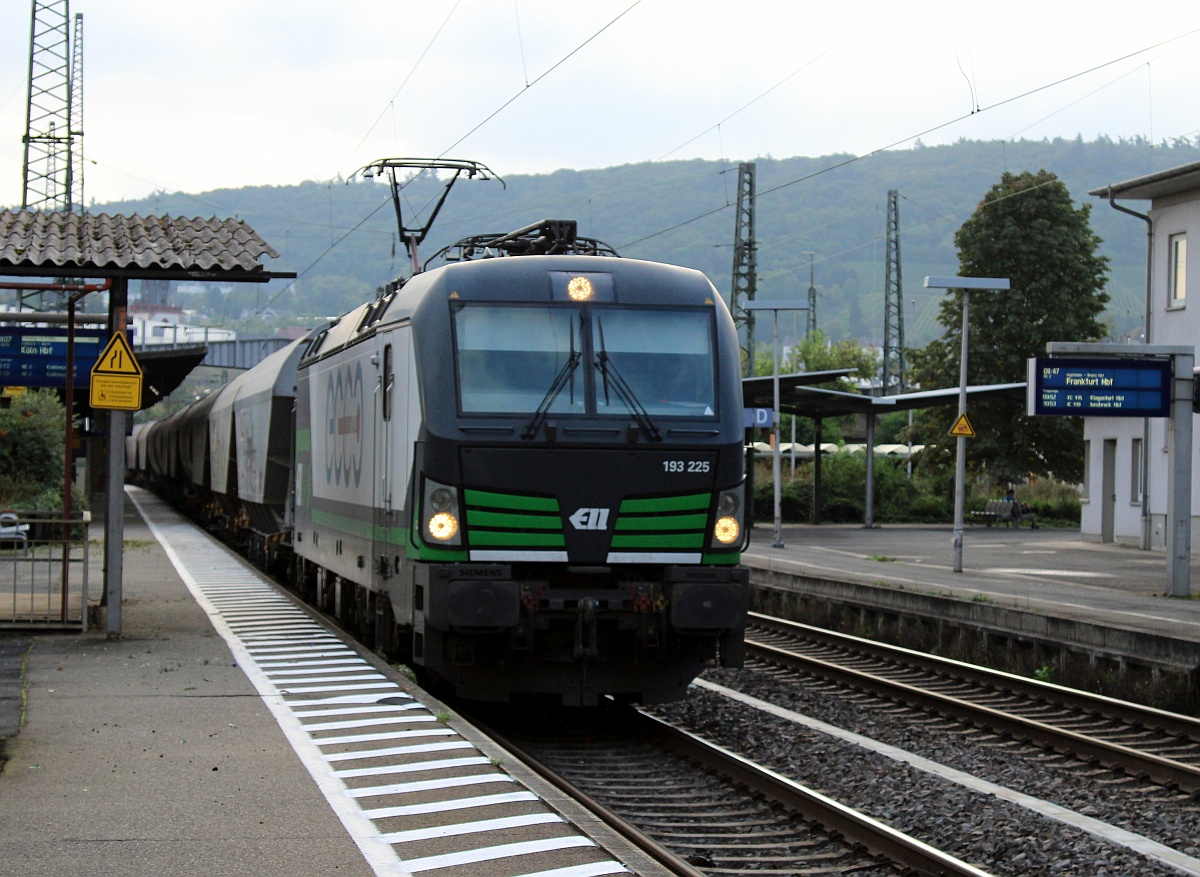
x=31 y=448
x=925 y=498
x=1051 y=500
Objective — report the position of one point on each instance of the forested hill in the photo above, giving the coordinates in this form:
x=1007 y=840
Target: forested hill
x=340 y=237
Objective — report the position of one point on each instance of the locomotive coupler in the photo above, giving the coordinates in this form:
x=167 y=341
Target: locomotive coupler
x=585 y=629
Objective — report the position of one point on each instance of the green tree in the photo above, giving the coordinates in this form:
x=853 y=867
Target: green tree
x=1026 y=229
x=816 y=353
x=333 y=295
x=31 y=447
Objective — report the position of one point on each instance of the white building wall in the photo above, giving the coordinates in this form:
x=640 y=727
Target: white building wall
x=1122 y=494
x=1170 y=323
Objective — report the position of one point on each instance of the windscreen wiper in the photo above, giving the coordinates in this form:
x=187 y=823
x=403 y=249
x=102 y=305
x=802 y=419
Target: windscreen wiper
x=564 y=375
x=623 y=391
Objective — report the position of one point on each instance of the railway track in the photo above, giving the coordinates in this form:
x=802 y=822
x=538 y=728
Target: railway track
x=1139 y=741
x=716 y=811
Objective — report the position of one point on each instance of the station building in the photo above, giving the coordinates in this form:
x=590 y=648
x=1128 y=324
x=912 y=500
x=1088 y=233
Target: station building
x=1126 y=459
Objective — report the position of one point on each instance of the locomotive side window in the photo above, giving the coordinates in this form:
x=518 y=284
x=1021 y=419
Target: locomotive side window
x=666 y=358
x=508 y=356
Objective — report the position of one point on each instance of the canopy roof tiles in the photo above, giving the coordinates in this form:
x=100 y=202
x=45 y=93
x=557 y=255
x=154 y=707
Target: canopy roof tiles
x=135 y=246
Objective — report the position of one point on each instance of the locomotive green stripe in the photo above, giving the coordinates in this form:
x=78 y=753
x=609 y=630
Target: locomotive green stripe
x=732 y=558
x=509 y=517
x=663 y=522
x=666 y=504
x=357 y=527
x=344 y=523
x=660 y=541
x=495 y=520
x=528 y=540
x=438 y=555
x=487 y=499
x=303 y=440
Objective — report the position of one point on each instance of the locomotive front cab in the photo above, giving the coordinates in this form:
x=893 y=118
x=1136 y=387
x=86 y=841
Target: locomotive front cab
x=580 y=501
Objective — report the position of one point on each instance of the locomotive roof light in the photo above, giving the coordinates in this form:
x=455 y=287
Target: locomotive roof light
x=571 y=286
x=580 y=289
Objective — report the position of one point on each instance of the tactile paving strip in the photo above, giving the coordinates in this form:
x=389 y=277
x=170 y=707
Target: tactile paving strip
x=415 y=796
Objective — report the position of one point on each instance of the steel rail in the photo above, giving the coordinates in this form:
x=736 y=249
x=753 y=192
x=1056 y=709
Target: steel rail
x=1166 y=771
x=882 y=841
x=652 y=848
x=1109 y=707
x=879 y=839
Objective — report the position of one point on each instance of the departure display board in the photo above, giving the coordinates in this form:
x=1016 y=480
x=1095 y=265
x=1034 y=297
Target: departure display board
x=38 y=357
x=1100 y=387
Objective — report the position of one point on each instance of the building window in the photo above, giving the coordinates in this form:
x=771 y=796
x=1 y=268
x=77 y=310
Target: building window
x=1135 y=472
x=1087 y=471
x=1177 y=266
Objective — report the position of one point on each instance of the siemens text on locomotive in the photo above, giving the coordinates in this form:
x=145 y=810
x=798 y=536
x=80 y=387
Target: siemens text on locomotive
x=523 y=474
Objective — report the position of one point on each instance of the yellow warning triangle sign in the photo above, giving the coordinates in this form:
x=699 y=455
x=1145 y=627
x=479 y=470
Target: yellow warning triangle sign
x=117 y=359
x=962 y=427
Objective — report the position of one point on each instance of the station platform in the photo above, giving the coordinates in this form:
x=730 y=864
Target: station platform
x=178 y=749
x=1038 y=568
x=1047 y=583
x=226 y=732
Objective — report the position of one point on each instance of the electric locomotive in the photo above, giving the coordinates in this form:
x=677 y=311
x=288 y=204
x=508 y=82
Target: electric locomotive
x=522 y=472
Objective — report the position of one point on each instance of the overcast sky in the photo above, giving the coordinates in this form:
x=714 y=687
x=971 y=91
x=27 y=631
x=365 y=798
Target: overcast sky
x=205 y=94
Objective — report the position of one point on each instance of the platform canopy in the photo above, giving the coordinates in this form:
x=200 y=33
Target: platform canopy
x=79 y=247
x=797 y=396
x=36 y=244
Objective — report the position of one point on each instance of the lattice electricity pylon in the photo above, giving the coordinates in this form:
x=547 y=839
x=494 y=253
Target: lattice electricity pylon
x=893 y=304
x=810 y=317
x=745 y=271
x=47 y=166
x=75 y=167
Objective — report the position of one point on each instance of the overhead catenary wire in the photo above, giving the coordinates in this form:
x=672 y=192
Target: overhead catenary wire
x=748 y=104
x=314 y=263
x=919 y=134
x=390 y=105
x=559 y=63
x=538 y=79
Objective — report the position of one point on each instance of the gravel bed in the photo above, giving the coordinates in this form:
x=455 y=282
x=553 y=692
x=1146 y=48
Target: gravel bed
x=991 y=834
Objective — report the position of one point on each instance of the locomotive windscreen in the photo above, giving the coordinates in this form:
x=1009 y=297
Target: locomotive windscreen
x=570 y=359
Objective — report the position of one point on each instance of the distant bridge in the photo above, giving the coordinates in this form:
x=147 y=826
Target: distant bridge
x=242 y=353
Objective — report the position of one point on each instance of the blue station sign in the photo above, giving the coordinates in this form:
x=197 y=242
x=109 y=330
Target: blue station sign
x=1100 y=387
x=38 y=357
x=758 y=417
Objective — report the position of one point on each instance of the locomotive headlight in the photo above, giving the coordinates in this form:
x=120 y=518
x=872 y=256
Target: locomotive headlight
x=441 y=500
x=728 y=504
x=727 y=531
x=443 y=526
x=580 y=289
x=440 y=515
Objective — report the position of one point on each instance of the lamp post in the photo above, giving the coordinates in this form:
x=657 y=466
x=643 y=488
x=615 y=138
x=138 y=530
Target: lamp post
x=775 y=307
x=967 y=285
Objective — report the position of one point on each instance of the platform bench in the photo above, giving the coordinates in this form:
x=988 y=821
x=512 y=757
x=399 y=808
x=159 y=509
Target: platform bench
x=995 y=510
